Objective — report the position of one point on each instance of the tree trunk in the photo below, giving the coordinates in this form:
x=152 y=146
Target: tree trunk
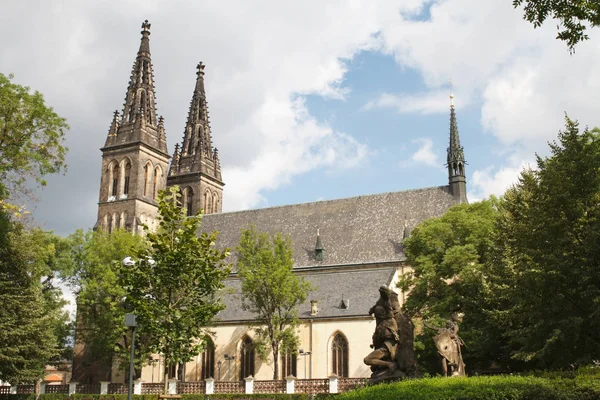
x=275 y=361
x=167 y=367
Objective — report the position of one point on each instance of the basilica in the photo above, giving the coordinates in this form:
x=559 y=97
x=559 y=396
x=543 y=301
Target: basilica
x=347 y=248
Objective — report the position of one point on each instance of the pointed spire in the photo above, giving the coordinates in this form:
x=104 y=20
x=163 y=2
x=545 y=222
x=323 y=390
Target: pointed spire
x=145 y=44
x=456 y=159
x=197 y=152
x=114 y=125
x=319 y=249
x=406 y=233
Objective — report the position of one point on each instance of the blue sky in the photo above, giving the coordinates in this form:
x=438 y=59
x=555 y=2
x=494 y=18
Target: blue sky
x=309 y=100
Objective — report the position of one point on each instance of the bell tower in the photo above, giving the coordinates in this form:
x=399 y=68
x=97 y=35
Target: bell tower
x=195 y=167
x=134 y=156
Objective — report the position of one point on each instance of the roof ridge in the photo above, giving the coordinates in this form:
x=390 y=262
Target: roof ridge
x=326 y=201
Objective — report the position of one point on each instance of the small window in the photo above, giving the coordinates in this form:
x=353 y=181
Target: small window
x=146 y=172
x=115 y=180
x=247 y=358
x=189 y=202
x=127 y=174
x=155 y=183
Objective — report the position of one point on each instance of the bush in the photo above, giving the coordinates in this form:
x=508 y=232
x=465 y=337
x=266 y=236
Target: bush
x=483 y=388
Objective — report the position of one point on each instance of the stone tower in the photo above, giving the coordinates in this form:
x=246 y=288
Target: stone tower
x=195 y=167
x=456 y=160
x=135 y=156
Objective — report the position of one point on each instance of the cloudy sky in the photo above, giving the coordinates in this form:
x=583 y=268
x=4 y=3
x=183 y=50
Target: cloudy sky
x=309 y=100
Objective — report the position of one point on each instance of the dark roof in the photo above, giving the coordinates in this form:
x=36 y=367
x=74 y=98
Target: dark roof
x=359 y=286
x=356 y=230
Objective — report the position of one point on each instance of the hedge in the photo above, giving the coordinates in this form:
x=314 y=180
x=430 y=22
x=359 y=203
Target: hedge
x=483 y=388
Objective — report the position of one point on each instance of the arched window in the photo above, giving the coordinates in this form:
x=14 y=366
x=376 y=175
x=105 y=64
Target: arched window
x=215 y=203
x=208 y=360
x=289 y=365
x=115 y=180
x=246 y=358
x=127 y=174
x=208 y=209
x=155 y=183
x=109 y=223
x=189 y=201
x=206 y=197
x=146 y=172
x=339 y=356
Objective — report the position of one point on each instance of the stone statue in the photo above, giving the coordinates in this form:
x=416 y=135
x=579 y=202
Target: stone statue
x=449 y=346
x=391 y=357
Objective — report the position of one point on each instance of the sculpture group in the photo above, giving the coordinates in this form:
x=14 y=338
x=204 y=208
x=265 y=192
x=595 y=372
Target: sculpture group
x=393 y=355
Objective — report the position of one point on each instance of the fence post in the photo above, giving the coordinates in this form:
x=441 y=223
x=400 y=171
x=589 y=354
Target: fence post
x=289 y=384
x=72 y=387
x=104 y=387
x=13 y=389
x=172 y=386
x=333 y=384
x=43 y=388
x=210 y=386
x=249 y=384
x=137 y=386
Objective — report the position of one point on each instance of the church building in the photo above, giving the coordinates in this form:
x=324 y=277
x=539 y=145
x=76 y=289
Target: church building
x=347 y=248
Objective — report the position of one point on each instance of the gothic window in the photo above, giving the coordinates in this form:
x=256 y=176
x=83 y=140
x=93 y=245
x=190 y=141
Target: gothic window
x=208 y=360
x=189 y=201
x=206 y=197
x=246 y=358
x=460 y=169
x=155 y=183
x=146 y=172
x=127 y=174
x=339 y=356
x=116 y=221
x=214 y=209
x=109 y=223
x=115 y=180
x=288 y=365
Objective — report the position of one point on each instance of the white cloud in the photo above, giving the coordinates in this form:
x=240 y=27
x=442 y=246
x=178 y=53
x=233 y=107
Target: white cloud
x=425 y=154
x=494 y=181
x=434 y=101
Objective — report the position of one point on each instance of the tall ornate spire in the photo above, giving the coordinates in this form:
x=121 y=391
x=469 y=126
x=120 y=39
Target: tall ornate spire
x=139 y=121
x=197 y=152
x=456 y=159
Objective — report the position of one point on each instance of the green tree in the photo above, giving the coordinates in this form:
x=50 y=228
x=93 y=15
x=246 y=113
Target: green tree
x=96 y=258
x=32 y=323
x=448 y=256
x=547 y=275
x=271 y=291
x=575 y=17
x=173 y=285
x=31 y=140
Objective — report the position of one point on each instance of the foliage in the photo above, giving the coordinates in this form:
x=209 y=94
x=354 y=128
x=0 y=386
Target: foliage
x=31 y=140
x=95 y=257
x=483 y=388
x=271 y=291
x=173 y=284
x=33 y=327
x=448 y=256
x=262 y=396
x=574 y=17
x=546 y=278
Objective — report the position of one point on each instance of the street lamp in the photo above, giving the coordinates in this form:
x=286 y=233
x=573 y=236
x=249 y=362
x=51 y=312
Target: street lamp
x=130 y=322
x=219 y=368
x=303 y=353
x=228 y=358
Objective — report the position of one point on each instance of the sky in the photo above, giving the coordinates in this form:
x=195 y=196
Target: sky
x=310 y=100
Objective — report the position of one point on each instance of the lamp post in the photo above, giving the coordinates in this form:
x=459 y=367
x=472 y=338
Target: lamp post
x=303 y=353
x=130 y=322
x=219 y=368
x=228 y=358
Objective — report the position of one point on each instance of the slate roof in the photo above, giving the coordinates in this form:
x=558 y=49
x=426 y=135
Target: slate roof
x=356 y=230
x=360 y=286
